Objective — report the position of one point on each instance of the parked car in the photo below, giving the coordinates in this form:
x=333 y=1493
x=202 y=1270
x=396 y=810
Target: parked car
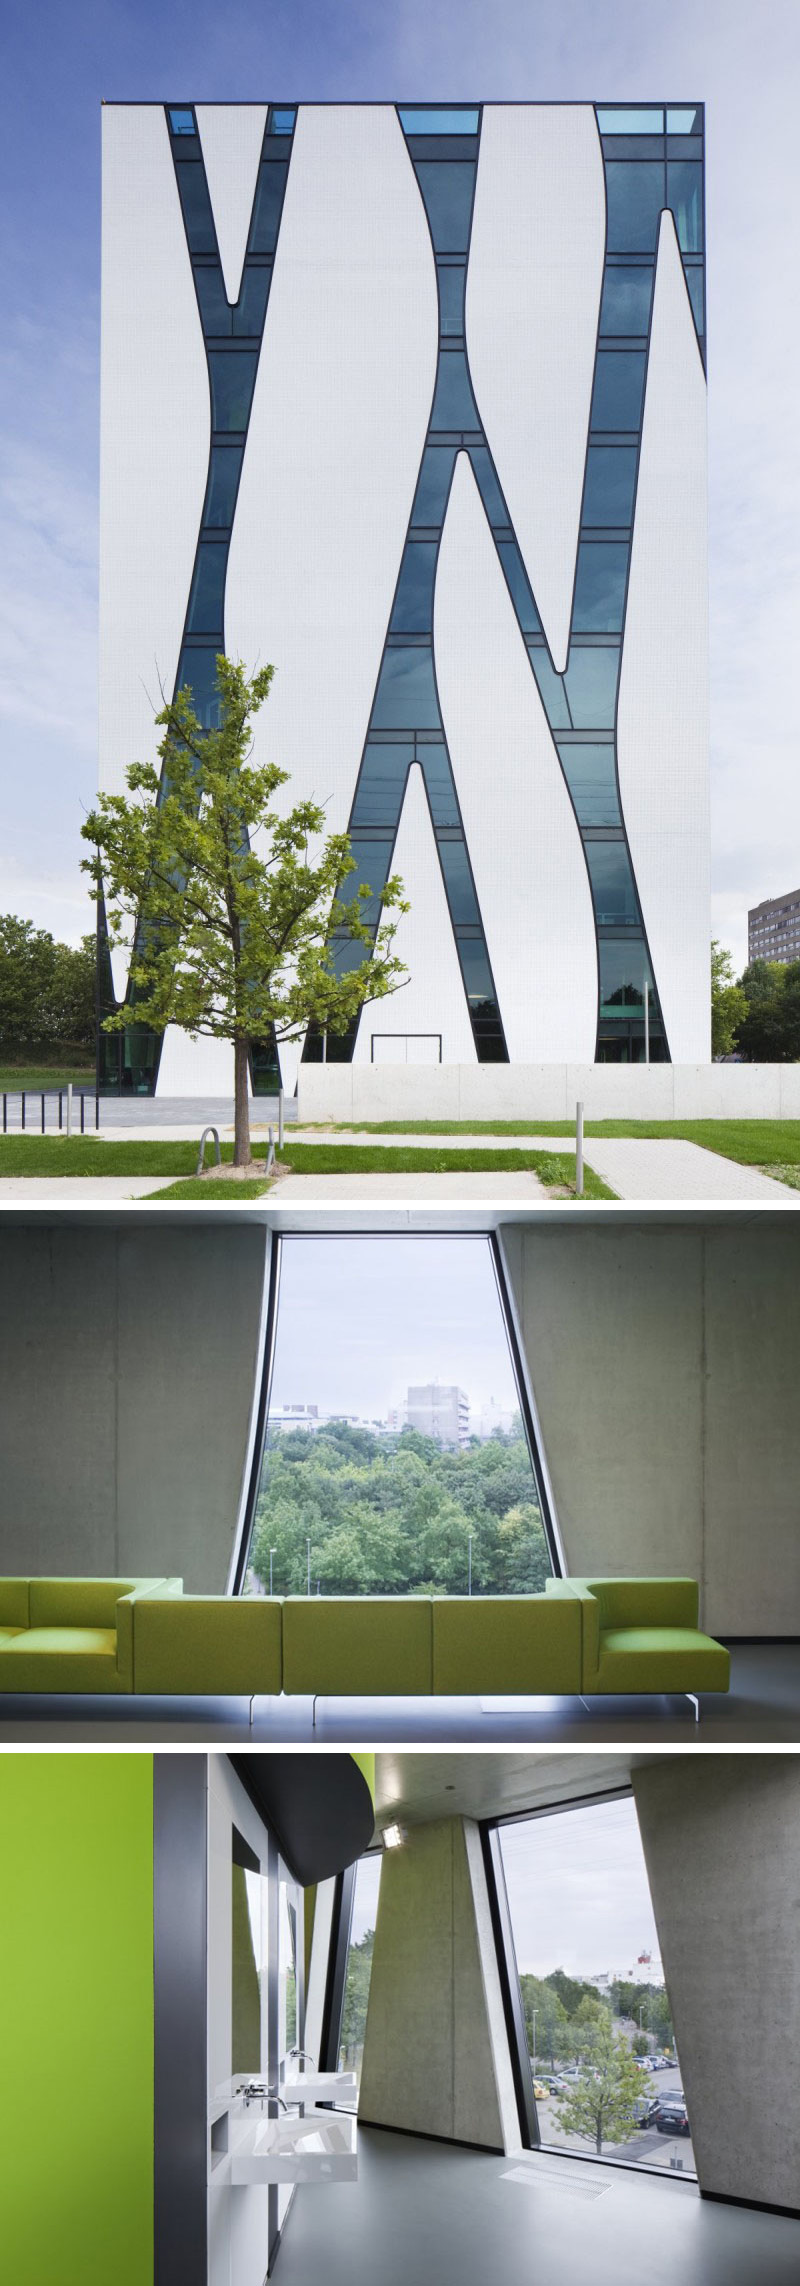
x=541 y=2091
x=645 y=2110
x=662 y=2063
x=671 y=2115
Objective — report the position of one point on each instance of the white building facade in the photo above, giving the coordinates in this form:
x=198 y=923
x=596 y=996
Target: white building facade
x=411 y=402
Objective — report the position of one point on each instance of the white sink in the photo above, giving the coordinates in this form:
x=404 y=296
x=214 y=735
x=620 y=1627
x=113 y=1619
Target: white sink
x=320 y=2087
x=320 y=2148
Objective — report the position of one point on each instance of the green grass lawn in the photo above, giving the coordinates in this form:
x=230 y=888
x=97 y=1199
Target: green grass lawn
x=753 y=1142
x=93 y=1155
x=14 y=1077
x=359 y=1159
x=206 y=1187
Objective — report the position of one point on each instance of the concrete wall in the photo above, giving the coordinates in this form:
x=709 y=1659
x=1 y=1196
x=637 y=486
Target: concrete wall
x=722 y=1844
x=127 y=1367
x=436 y=2055
x=664 y=1362
x=546 y=1091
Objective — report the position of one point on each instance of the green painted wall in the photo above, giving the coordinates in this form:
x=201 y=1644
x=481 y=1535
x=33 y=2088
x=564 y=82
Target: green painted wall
x=76 y=1955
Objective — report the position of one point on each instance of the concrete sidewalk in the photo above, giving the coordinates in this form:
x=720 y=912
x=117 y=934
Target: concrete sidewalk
x=642 y=1169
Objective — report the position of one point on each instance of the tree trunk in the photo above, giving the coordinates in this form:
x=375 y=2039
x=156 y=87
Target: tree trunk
x=241 y=1145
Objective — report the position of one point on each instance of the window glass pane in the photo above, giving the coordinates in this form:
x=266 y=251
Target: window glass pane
x=359 y=1966
x=394 y=1430
x=601 y=2041
x=269 y=196
x=460 y=892
x=432 y=122
x=630 y=122
x=406 y=697
x=591 y=777
x=197 y=670
x=453 y=403
x=685 y=195
x=591 y=681
x=226 y=461
x=552 y=691
x=215 y=309
x=370 y=870
x=626 y=301
x=196 y=204
x=477 y=977
x=612 y=884
x=451 y=300
x=618 y=389
x=610 y=481
x=623 y=970
x=381 y=784
x=446 y=187
x=232 y=377
x=519 y=589
x=434 y=481
x=282 y=122
x=182 y=122
x=600 y=586
x=694 y=281
x=207 y=598
x=249 y=315
x=413 y=605
x=635 y=196
x=684 y=122
x=488 y=486
x=439 y=783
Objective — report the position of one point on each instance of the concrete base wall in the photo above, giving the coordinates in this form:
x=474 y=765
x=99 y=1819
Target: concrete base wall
x=127 y=1367
x=664 y=1364
x=436 y=2054
x=721 y=1838
x=372 y=1092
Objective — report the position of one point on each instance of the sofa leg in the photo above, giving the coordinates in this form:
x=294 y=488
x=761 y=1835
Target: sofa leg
x=314 y=1712
x=694 y=1702
x=252 y=1704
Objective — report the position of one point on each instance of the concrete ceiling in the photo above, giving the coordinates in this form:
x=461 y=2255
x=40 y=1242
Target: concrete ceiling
x=417 y=1789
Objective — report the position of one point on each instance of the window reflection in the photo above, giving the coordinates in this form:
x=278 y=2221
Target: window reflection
x=267 y=210
x=610 y=485
x=591 y=683
x=446 y=187
x=591 y=776
x=635 y=196
x=413 y=604
x=359 y=1966
x=618 y=389
x=625 y=306
x=433 y=484
x=685 y=194
x=600 y=586
x=612 y=884
x=232 y=375
x=406 y=693
x=453 y=404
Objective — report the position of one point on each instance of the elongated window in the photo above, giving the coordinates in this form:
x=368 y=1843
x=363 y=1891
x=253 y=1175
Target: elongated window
x=398 y=1455
x=595 y=2031
x=359 y=1967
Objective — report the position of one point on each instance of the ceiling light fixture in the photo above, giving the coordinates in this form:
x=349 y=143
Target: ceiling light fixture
x=393 y=1837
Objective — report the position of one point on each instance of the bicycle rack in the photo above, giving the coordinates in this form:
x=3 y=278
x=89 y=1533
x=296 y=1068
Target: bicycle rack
x=201 y=1153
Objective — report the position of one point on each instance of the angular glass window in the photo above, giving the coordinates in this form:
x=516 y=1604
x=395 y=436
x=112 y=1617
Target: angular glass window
x=624 y=971
x=604 y=2071
x=627 y=295
x=592 y=779
x=488 y=486
x=451 y=299
x=198 y=218
x=215 y=309
x=610 y=484
x=197 y=672
x=694 y=280
x=519 y=587
x=477 y=977
x=370 y=872
x=267 y=213
x=458 y=882
x=359 y=1967
x=552 y=691
x=207 y=599
x=441 y=791
x=600 y=587
x=406 y=695
x=629 y=121
x=182 y=122
x=394 y=1428
x=381 y=784
x=447 y=187
x=612 y=884
x=591 y=681
x=248 y=317
x=282 y=122
x=223 y=482
x=430 y=499
x=685 y=122
x=685 y=196
x=413 y=604
x=634 y=197
x=232 y=375
x=618 y=389
x=453 y=403
x=429 y=121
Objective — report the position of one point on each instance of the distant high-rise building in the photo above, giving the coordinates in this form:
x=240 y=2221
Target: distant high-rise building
x=440 y=1410
x=773 y=928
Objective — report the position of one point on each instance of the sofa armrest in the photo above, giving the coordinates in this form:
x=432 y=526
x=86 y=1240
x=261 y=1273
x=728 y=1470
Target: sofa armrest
x=124 y=1620
x=647 y=1602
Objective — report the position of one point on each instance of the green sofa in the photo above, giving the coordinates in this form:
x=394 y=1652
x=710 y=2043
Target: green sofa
x=580 y=1638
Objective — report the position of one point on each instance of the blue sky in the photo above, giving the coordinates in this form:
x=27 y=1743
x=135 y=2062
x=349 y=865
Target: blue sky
x=60 y=62
x=360 y=1321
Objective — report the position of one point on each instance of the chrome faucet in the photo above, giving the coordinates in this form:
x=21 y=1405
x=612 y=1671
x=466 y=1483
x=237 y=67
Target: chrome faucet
x=304 y=2052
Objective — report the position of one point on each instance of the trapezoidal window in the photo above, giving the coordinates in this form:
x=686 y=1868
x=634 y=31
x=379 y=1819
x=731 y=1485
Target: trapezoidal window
x=593 y=2009
x=398 y=1455
x=358 y=1973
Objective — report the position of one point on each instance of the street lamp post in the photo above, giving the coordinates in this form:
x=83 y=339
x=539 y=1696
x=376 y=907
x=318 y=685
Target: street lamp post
x=470 y=1537
x=272 y=1552
x=534 y=2013
x=308 y=1567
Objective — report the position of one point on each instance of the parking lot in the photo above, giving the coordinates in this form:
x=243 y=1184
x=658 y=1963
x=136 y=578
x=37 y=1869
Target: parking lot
x=646 y=2147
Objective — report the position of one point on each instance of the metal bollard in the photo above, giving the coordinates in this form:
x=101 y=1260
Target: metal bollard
x=280 y=1119
x=579 y=1150
x=42 y=1110
x=83 y=1112
x=201 y=1153
x=23 y=1110
x=270 y=1159
x=69 y=1109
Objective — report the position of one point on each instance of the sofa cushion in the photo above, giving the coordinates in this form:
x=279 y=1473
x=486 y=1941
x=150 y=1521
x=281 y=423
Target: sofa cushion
x=207 y=1646
x=14 y=1607
x=495 y=1644
x=77 y=1602
x=60 y=1659
x=376 y=1646
x=7 y=1634
x=661 y=1659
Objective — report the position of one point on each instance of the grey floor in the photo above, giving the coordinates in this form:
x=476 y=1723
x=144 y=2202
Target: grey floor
x=762 y=1708
x=422 y=2212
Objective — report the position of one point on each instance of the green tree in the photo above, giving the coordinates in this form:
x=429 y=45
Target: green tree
x=601 y=2104
x=47 y=989
x=770 y=1031
x=241 y=933
x=728 y=1002
x=640 y=2045
x=356 y=1997
x=546 y=2021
